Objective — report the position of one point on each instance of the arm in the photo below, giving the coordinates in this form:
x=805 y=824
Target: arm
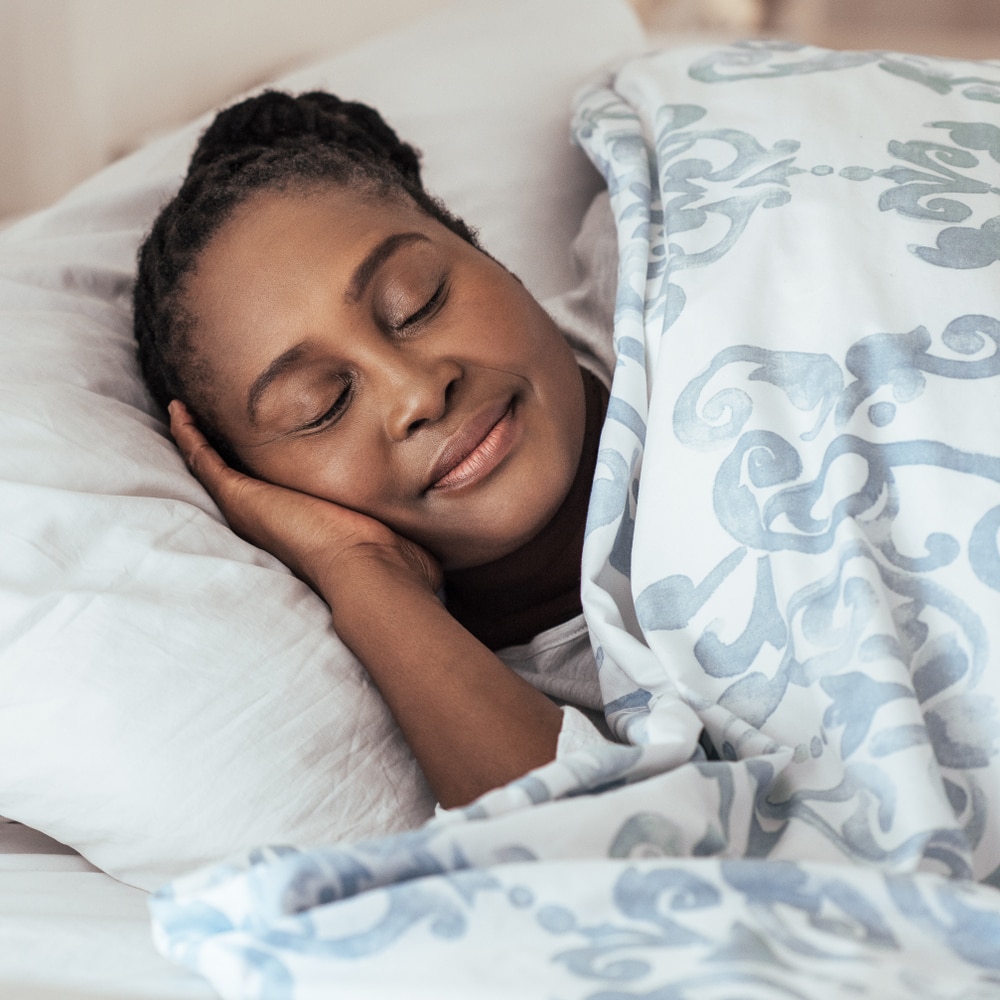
x=471 y=722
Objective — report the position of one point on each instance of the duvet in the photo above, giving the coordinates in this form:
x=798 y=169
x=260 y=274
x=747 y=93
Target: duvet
x=792 y=544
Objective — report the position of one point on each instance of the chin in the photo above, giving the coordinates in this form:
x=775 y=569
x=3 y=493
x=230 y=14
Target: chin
x=495 y=547
x=503 y=523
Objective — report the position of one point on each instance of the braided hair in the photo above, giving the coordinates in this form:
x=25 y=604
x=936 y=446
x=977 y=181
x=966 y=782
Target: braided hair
x=273 y=141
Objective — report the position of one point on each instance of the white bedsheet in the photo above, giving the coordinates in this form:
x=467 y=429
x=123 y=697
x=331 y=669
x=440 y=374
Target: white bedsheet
x=70 y=932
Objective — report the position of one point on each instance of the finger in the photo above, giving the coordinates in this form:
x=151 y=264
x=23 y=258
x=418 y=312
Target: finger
x=182 y=423
x=201 y=458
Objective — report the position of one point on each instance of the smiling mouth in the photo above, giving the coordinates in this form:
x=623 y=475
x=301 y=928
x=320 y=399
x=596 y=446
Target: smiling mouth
x=476 y=450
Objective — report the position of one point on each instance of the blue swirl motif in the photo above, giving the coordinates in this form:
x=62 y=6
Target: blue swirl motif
x=951 y=915
x=899 y=362
x=654 y=904
x=609 y=131
x=613 y=499
x=768 y=929
x=813 y=383
x=282 y=904
x=938 y=169
x=749 y=60
x=706 y=175
x=648 y=928
x=829 y=904
x=877 y=603
x=445 y=904
x=701 y=173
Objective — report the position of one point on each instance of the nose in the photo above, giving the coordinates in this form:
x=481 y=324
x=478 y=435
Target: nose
x=417 y=391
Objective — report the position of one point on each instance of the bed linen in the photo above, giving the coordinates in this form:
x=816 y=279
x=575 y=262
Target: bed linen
x=792 y=542
x=70 y=932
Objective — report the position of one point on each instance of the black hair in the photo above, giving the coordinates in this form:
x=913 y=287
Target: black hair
x=273 y=141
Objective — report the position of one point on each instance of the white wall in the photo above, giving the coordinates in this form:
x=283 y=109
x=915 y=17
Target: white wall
x=82 y=81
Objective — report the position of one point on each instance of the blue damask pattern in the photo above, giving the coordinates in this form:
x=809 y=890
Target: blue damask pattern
x=643 y=928
x=936 y=168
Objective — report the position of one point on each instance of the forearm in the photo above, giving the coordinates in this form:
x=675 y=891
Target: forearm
x=471 y=722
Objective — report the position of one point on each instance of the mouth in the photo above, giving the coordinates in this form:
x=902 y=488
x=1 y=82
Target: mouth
x=476 y=449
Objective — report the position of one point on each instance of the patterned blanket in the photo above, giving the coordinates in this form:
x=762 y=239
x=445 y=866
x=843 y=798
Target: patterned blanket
x=792 y=542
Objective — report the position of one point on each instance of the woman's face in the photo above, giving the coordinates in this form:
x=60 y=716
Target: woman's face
x=359 y=351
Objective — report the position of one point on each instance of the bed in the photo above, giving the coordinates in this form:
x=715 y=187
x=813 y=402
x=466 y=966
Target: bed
x=807 y=331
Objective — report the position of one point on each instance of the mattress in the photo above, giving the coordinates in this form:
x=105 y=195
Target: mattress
x=69 y=931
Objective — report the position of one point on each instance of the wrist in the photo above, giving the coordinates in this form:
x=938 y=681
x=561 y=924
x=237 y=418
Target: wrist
x=365 y=580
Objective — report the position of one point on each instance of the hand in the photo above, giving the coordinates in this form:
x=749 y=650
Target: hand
x=315 y=538
x=471 y=722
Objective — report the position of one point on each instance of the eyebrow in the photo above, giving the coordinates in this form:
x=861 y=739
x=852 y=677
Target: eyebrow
x=274 y=370
x=360 y=281
x=374 y=259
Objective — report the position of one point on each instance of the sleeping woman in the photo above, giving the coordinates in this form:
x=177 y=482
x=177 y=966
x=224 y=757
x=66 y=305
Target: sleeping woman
x=371 y=397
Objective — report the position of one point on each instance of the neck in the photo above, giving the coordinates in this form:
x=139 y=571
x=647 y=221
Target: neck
x=538 y=586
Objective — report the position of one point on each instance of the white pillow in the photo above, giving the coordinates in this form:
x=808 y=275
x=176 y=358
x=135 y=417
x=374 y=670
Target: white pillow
x=168 y=693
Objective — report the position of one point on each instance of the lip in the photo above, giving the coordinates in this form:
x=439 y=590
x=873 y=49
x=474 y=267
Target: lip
x=475 y=449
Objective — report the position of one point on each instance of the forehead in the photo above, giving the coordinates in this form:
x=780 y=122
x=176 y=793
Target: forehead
x=273 y=227
x=280 y=250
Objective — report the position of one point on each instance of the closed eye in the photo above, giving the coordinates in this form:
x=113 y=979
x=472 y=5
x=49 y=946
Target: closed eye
x=334 y=412
x=427 y=309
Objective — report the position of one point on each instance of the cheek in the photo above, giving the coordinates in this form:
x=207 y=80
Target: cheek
x=526 y=340
x=559 y=385
x=344 y=471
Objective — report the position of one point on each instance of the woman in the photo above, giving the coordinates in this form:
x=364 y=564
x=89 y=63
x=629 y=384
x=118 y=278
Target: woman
x=385 y=408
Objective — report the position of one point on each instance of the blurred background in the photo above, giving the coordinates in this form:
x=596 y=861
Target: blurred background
x=83 y=82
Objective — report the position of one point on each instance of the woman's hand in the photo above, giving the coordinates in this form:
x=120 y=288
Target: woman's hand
x=472 y=723
x=319 y=540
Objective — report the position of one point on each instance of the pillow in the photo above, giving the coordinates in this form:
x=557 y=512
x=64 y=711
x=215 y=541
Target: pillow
x=168 y=693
